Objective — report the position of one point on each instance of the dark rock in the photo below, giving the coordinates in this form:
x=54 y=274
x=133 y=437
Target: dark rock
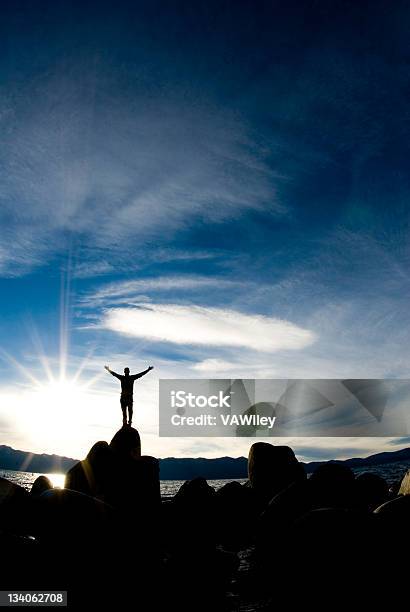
x=127 y=443
x=14 y=507
x=332 y=485
x=395 y=508
x=134 y=485
x=118 y=475
x=69 y=516
x=193 y=517
x=271 y=469
x=89 y=476
x=371 y=491
x=283 y=509
x=22 y=567
x=133 y=482
x=273 y=527
x=194 y=493
x=41 y=484
x=235 y=523
x=11 y=492
x=393 y=522
x=330 y=535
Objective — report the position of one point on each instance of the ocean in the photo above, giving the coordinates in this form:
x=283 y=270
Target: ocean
x=392 y=472
x=168 y=487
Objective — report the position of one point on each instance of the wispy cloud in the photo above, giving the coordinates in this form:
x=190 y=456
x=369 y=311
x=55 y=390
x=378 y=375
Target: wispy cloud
x=88 y=269
x=131 y=288
x=111 y=170
x=196 y=325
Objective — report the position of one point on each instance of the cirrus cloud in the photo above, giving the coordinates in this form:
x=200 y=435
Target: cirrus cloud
x=197 y=325
x=128 y=289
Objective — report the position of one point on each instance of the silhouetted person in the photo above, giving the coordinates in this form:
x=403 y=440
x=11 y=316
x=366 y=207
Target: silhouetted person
x=127 y=390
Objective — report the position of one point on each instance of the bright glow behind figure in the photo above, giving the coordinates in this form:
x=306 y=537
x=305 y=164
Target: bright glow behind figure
x=56 y=410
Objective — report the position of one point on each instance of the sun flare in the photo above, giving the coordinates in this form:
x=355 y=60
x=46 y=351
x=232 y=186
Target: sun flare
x=61 y=404
x=57 y=479
x=56 y=409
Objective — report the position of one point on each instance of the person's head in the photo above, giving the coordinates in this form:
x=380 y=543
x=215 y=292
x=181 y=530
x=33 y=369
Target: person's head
x=126 y=371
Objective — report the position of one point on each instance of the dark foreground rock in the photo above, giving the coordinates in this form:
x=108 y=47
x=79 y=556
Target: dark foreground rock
x=41 y=484
x=110 y=541
x=14 y=507
x=117 y=474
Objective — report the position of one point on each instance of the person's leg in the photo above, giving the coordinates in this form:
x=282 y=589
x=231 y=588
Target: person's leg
x=124 y=412
x=130 y=411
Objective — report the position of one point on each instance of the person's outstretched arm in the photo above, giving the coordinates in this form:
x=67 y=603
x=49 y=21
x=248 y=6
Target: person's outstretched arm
x=113 y=373
x=135 y=376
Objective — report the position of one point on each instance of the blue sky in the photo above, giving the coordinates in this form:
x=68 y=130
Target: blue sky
x=217 y=188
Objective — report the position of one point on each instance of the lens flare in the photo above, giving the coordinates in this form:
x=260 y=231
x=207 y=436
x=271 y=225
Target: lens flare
x=53 y=407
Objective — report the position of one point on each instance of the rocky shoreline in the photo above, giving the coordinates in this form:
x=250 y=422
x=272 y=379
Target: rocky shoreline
x=109 y=534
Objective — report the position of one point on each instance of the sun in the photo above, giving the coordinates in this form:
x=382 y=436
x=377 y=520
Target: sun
x=57 y=479
x=59 y=394
x=58 y=399
x=56 y=410
x=62 y=416
x=58 y=413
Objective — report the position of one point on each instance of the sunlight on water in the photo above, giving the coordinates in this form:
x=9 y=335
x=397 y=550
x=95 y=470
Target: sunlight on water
x=392 y=472
x=57 y=480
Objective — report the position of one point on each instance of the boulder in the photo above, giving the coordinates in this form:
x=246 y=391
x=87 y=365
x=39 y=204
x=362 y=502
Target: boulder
x=62 y=515
x=134 y=485
x=398 y=508
x=371 y=491
x=117 y=474
x=89 y=476
x=14 y=507
x=41 y=484
x=332 y=485
x=272 y=469
x=126 y=443
x=235 y=522
x=194 y=493
x=335 y=539
x=11 y=492
x=22 y=567
x=133 y=480
x=281 y=512
x=194 y=516
x=393 y=518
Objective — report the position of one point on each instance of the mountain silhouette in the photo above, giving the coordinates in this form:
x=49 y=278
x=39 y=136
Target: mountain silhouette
x=183 y=468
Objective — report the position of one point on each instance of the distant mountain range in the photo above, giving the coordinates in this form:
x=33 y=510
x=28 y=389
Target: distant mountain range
x=11 y=459
x=173 y=468
x=399 y=456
